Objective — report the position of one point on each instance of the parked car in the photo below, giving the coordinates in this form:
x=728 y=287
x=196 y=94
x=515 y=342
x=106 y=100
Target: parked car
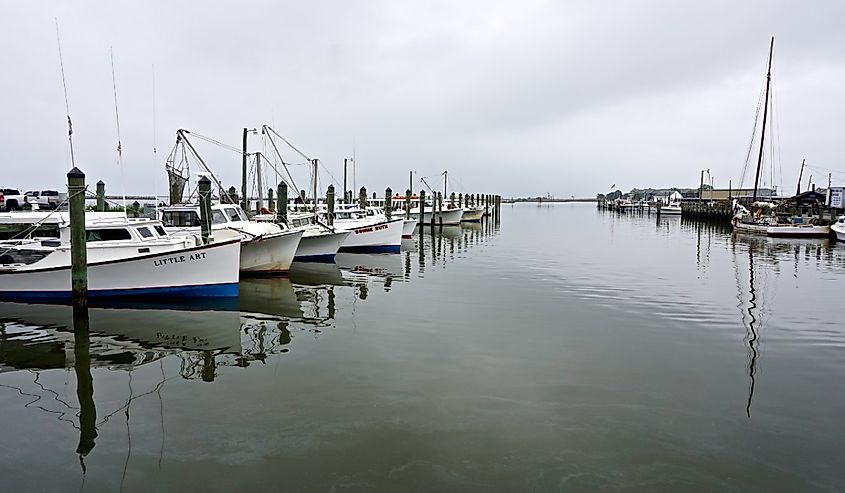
x=45 y=199
x=10 y=199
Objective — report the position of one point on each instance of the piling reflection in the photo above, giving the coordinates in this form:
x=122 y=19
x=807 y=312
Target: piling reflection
x=84 y=383
x=197 y=341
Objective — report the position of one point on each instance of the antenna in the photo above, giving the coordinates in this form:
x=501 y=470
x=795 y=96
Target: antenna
x=64 y=86
x=155 y=147
x=117 y=120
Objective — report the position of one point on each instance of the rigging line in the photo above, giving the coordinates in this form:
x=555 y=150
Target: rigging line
x=64 y=86
x=288 y=143
x=228 y=147
x=117 y=120
x=279 y=155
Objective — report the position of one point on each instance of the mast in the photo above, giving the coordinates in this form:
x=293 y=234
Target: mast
x=445 y=173
x=244 y=201
x=765 y=115
x=800 y=175
x=344 y=180
x=259 y=181
x=314 y=186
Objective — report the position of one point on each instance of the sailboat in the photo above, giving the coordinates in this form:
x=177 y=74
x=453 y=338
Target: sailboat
x=764 y=219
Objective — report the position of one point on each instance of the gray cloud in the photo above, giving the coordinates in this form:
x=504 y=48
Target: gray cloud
x=512 y=97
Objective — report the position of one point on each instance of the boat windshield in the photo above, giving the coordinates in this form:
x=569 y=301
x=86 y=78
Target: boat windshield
x=217 y=217
x=180 y=218
x=232 y=214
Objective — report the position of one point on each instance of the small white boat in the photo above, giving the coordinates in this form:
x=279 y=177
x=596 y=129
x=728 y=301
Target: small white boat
x=839 y=228
x=451 y=217
x=671 y=209
x=267 y=248
x=126 y=257
x=472 y=214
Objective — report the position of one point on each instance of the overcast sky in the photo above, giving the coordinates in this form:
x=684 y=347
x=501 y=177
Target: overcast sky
x=518 y=98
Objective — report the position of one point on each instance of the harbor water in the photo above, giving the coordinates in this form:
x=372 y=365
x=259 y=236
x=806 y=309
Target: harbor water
x=563 y=349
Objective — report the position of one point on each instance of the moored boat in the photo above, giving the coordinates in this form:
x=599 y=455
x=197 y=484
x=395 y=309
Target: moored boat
x=267 y=248
x=125 y=258
x=838 y=228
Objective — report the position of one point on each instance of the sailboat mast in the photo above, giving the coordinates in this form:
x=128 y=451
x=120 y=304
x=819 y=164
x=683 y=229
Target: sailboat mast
x=444 y=183
x=314 y=186
x=765 y=115
x=800 y=175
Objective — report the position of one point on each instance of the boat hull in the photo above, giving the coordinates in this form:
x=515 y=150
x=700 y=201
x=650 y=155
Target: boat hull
x=670 y=211
x=839 y=231
x=472 y=215
x=270 y=254
x=408 y=228
x=381 y=237
x=204 y=271
x=798 y=231
x=320 y=247
x=450 y=217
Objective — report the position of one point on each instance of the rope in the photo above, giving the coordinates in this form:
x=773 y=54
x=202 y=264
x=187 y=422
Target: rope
x=35 y=225
x=64 y=86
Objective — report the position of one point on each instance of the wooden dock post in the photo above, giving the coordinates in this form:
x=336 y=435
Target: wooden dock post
x=388 y=202
x=460 y=200
x=408 y=204
x=440 y=208
x=282 y=207
x=421 y=216
x=330 y=205
x=362 y=198
x=101 y=196
x=204 y=187
x=271 y=204
x=78 y=238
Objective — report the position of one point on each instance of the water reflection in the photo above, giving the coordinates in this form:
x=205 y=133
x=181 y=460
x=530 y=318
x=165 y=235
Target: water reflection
x=191 y=342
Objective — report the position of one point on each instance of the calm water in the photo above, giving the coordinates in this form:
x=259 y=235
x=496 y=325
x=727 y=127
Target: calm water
x=565 y=349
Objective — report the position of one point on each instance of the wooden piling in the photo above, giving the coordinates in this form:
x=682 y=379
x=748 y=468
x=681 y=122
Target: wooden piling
x=388 y=202
x=362 y=198
x=271 y=204
x=204 y=187
x=330 y=205
x=282 y=208
x=101 y=196
x=408 y=204
x=78 y=247
x=440 y=208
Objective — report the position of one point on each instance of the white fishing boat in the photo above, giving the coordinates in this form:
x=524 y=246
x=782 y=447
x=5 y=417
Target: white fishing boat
x=472 y=214
x=126 y=257
x=267 y=248
x=450 y=217
x=408 y=227
x=319 y=243
x=368 y=234
x=765 y=221
x=839 y=228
